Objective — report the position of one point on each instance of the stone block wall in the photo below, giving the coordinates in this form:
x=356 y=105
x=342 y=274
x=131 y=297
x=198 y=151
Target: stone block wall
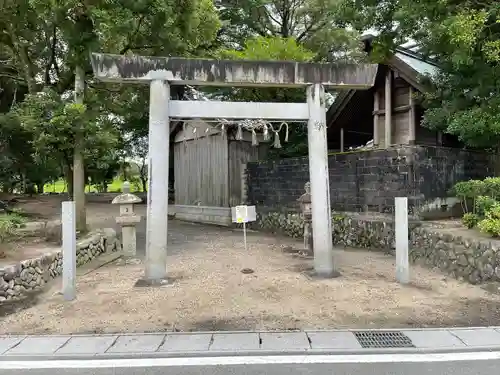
x=472 y=260
x=31 y=275
x=368 y=181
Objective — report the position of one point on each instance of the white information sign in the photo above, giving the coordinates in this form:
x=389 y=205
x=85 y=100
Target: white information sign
x=243 y=214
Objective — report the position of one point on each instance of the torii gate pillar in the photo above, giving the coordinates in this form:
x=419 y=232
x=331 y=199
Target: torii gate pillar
x=320 y=185
x=160 y=72
x=158 y=159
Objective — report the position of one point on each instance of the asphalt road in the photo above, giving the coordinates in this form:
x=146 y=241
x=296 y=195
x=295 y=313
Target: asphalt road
x=440 y=368
x=454 y=364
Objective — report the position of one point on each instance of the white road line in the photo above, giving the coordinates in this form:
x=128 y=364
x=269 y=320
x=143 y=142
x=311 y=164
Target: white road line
x=250 y=360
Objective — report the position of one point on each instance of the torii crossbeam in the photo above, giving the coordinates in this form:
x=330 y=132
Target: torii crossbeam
x=162 y=72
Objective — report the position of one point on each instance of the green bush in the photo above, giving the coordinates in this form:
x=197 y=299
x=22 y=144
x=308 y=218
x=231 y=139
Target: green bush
x=484 y=203
x=467 y=191
x=470 y=220
x=490 y=226
x=337 y=218
x=8 y=223
x=491 y=187
x=491 y=223
x=493 y=212
x=485 y=209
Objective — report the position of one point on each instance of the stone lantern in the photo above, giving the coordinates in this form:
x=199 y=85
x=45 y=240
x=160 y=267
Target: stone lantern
x=306 y=208
x=128 y=220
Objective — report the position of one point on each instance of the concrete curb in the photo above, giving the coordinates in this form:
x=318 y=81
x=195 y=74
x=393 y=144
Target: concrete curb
x=250 y=353
x=262 y=343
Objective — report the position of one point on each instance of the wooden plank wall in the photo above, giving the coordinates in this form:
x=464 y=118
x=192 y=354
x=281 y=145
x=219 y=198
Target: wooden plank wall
x=201 y=171
x=381 y=130
x=401 y=118
x=240 y=152
x=400 y=113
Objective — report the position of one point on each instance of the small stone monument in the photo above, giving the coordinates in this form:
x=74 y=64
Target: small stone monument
x=306 y=208
x=128 y=220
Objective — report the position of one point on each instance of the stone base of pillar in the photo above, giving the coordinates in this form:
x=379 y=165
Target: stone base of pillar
x=321 y=276
x=147 y=283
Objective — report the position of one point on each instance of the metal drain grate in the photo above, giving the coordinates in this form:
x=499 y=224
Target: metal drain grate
x=388 y=339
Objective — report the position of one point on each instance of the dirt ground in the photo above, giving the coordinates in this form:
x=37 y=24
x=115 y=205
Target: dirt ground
x=21 y=248
x=48 y=207
x=209 y=292
x=100 y=213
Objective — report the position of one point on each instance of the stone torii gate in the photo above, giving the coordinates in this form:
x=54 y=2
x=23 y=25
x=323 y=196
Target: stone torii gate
x=162 y=72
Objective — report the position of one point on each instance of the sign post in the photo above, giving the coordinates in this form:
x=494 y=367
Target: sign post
x=401 y=232
x=243 y=214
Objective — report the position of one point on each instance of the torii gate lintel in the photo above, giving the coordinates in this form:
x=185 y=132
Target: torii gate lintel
x=236 y=73
x=161 y=72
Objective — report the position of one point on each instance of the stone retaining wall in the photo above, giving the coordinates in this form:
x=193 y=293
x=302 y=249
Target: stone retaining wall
x=468 y=259
x=32 y=274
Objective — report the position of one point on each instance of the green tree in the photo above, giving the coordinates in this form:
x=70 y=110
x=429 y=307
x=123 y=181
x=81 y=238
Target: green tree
x=463 y=37
x=319 y=25
x=56 y=123
x=100 y=170
x=466 y=98
x=47 y=44
x=273 y=48
x=140 y=153
x=21 y=166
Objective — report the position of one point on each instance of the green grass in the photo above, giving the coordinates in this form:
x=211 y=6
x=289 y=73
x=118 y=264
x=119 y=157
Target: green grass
x=56 y=187
x=8 y=223
x=115 y=187
x=14 y=218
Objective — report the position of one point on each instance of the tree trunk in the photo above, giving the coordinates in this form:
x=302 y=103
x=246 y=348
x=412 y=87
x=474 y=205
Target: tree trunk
x=78 y=163
x=24 y=184
x=497 y=162
x=68 y=174
x=39 y=187
x=143 y=175
x=125 y=173
x=30 y=189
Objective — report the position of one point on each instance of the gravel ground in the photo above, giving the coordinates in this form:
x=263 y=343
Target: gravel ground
x=211 y=293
